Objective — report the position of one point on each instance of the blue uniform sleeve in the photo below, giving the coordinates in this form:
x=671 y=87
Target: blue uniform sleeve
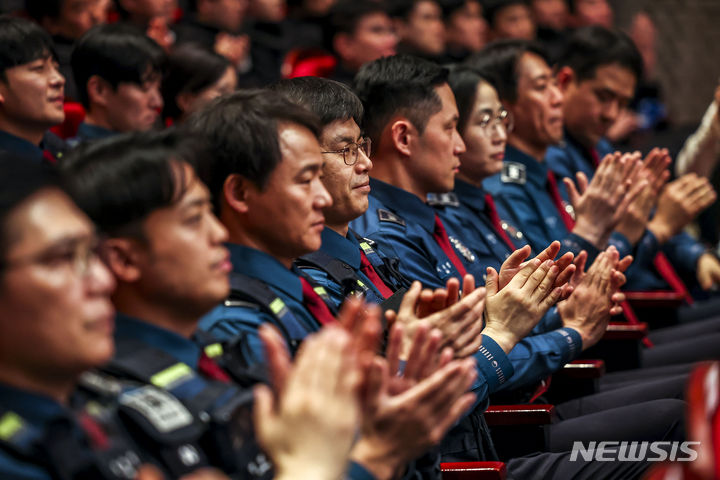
x=494 y=369
x=226 y=323
x=358 y=472
x=623 y=245
x=683 y=251
x=550 y=321
x=321 y=278
x=536 y=357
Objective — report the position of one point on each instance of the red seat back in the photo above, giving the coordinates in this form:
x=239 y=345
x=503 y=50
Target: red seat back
x=74 y=115
x=304 y=62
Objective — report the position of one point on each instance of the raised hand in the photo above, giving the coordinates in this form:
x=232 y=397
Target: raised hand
x=655 y=171
x=600 y=204
x=708 y=271
x=308 y=421
x=459 y=321
x=594 y=299
x=516 y=262
x=679 y=203
x=511 y=313
x=405 y=415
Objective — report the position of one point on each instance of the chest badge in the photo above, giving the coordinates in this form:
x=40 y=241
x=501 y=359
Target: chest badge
x=464 y=251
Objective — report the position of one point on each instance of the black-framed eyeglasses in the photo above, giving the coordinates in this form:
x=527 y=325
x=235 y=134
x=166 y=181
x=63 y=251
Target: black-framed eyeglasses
x=350 y=152
x=488 y=121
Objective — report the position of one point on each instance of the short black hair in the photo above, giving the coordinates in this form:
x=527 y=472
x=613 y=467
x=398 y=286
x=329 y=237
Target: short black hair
x=451 y=6
x=591 y=47
x=403 y=8
x=19 y=180
x=499 y=61
x=464 y=81
x=400 y=84
x=190 y=69
x=241 y=131
x=121 y=180
x=492 y=7
x=328 y=99
x=117 y=53
x=39 y=9
x=344 y=15
x=22 y=41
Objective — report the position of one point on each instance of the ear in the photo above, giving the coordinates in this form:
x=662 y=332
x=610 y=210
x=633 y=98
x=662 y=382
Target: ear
x=400 y=28
x=235 y=192
x=184 y=101
x=402 y=133
x=122 y=256
x=97 y=90
x=565 y=76
x=341 y=44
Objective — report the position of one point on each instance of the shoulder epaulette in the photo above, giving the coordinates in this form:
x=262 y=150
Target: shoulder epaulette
x=513 y=172
x=443 y=200
x=388 y=216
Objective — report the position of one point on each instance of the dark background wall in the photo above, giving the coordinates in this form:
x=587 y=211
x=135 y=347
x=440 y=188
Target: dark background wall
x=688 y=59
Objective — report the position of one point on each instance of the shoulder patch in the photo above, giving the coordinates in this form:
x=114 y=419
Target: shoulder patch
x=388 y=216
x=443 y=199
x=513 y=172
x=100 y=383
x=160 y=408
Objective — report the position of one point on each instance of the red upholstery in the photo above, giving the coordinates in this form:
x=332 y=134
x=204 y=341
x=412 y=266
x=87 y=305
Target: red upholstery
x=74 y=115
x=668 y=299
x=584 y=369
x=519 y=414
x=473 y=471
x=312 y=62
x=626 y=331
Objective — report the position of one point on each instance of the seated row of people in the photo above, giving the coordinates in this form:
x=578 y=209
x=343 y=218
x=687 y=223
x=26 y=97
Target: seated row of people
x=287 y=171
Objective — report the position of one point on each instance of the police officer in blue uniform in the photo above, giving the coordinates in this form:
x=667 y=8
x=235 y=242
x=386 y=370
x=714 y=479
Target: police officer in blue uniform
x=392 y=76
x=267 y=166
x=118 y=96
x=605 y=54
x=31 y=88
x=57 y=419
x=528 y=196
x=346 y=180
x=166 y=251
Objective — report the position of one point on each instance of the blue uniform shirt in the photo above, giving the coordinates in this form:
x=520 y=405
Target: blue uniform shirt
x=521 y=195
x=402 y=225
x=88 y=133
x=228 y=320
x=21 y=147
x=182 y=349
x=550 y=347
x=37 y=411
x=347 y=250
x=467 y=216
x=682 y=250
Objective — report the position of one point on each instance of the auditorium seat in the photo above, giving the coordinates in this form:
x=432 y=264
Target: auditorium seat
x=74 y=115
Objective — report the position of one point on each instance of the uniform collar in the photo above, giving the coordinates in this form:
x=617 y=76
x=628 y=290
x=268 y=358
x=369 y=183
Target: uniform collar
x=181 y=348
x=345 y=249
x=93 y=132
x=536 y=172
x=471 y=195
x=14 y=144
x=404 y=204
x=35 y=408
x=266 y=268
